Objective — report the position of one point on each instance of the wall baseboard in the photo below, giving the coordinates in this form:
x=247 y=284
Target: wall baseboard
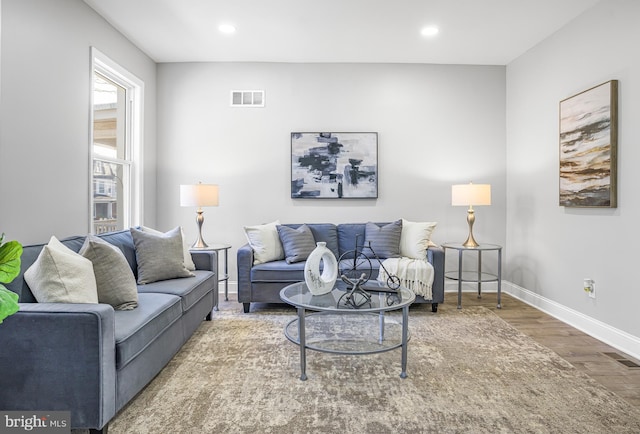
x=618 y=339
x=233 y=287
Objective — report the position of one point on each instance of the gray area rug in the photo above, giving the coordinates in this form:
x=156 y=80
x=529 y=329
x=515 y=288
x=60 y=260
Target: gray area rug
x=469 y=372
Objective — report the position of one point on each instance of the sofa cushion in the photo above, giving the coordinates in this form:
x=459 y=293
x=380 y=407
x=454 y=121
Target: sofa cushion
x=136 y=329
x=159 y=257
x=327 y=232
x=297 y=243
x=19 y=285
x=189 y=290
x=265 y=242
x=114 y=279
x=60 y=275
x=384 y=240
x=415 y=238
x=123 y=241
x=278 y=271
x=348 y=233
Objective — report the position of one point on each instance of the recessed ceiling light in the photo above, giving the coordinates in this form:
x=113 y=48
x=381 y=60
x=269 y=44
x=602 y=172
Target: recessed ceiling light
x=227 y=28
x=429 y=31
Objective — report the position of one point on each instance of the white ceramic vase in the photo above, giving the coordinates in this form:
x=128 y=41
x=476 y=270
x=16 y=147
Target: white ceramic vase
x=317 y=282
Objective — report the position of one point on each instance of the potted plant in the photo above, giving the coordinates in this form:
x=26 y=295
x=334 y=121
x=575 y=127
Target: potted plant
x=10 y=253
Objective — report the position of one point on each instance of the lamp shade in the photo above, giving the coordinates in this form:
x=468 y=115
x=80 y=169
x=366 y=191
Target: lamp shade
x=199 y=195
x=470 y=194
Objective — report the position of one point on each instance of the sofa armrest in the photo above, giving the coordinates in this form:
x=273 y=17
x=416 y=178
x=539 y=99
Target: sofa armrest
x=244 y=263
x=205 y=260
x=208 y=260
x=60 y=357
x=435 y=255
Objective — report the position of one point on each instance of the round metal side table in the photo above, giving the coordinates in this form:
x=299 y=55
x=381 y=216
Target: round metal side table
x=224 y=276
x=477 y=276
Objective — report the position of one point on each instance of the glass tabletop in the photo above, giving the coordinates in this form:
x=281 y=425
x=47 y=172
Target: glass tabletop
x=460 y=246
x=298 y=295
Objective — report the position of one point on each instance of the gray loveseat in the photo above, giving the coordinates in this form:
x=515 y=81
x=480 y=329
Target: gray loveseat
x=90 y=359
x=262 y=283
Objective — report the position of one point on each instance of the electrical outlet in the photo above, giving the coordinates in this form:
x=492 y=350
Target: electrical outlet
x=590 y=287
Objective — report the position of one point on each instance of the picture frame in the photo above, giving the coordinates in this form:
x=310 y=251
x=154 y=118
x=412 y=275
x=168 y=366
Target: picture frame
x=588 y=147
x=334 y=165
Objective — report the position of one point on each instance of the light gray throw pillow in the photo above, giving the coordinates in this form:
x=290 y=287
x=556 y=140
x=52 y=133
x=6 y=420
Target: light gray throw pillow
x=297 y=243
x=159 y=257
x=114 y=278
x=385 y=240
x=188 y=260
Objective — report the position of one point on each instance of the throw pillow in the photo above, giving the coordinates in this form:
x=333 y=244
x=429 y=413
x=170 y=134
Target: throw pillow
x=60 y=275
x=297 y=243
x=188 y=260
x=385 y=240
x=114 y=279
x=265 y=242
x=159 y=257
x=416 y=238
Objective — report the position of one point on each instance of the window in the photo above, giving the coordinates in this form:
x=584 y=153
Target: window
x=116 y=139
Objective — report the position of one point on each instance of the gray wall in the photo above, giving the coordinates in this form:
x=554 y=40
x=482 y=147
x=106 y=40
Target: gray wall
x=44 y=149
x=437 y=125
x=552 y=248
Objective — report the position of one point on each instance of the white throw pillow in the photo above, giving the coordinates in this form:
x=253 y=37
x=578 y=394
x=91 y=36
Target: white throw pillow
x=415 y=238
x=60 y=275
x=188 y=260
x=265 y=242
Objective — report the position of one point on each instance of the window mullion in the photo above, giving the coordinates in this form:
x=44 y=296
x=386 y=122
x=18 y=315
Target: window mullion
x=113 y=160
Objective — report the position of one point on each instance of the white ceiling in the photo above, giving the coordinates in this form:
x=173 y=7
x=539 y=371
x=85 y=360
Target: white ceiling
x=482 y=32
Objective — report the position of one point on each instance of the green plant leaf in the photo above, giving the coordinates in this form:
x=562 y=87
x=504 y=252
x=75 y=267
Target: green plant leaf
x=10 y=253
x=8 y=303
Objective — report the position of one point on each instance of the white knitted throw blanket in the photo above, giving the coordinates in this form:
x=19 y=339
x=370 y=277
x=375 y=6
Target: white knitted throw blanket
x=415 y=274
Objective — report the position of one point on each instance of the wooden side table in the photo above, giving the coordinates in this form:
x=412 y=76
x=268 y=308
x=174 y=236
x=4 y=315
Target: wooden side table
x=478 y=276
x=222 y=277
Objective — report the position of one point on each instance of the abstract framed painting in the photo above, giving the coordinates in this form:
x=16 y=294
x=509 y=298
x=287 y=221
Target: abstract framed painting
x=588 y=147
x=334 y=165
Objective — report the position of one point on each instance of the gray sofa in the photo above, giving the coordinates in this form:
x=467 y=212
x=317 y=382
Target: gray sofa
x=262 y=283
x=90 y=359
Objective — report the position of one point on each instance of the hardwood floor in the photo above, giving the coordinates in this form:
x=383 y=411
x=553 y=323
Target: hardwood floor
x=595 y=358
x=589 y=355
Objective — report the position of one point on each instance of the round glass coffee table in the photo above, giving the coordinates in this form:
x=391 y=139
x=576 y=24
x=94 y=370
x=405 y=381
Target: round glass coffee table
x=334 y=326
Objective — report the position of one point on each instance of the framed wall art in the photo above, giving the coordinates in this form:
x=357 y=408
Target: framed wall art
x=588 y=147
x=334 y=165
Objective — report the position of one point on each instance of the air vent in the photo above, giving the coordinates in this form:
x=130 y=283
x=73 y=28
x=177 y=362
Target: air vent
x=247 y=98
x=626 y=362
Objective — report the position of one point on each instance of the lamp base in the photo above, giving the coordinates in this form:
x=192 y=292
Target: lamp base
x=471 y=218
x=470 y=243
x=199 y=244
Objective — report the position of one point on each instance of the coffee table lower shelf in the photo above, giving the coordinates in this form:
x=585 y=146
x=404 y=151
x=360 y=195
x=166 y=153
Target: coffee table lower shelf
x=349 y=333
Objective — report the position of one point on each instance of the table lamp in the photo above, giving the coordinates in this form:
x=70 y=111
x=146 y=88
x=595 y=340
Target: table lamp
x=470 y=195
x=199 y=195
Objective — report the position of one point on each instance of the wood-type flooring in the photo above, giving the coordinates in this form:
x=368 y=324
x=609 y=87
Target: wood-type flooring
x=603 y=363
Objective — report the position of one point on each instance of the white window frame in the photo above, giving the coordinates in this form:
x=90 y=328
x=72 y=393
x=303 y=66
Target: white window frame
x=133 y=196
